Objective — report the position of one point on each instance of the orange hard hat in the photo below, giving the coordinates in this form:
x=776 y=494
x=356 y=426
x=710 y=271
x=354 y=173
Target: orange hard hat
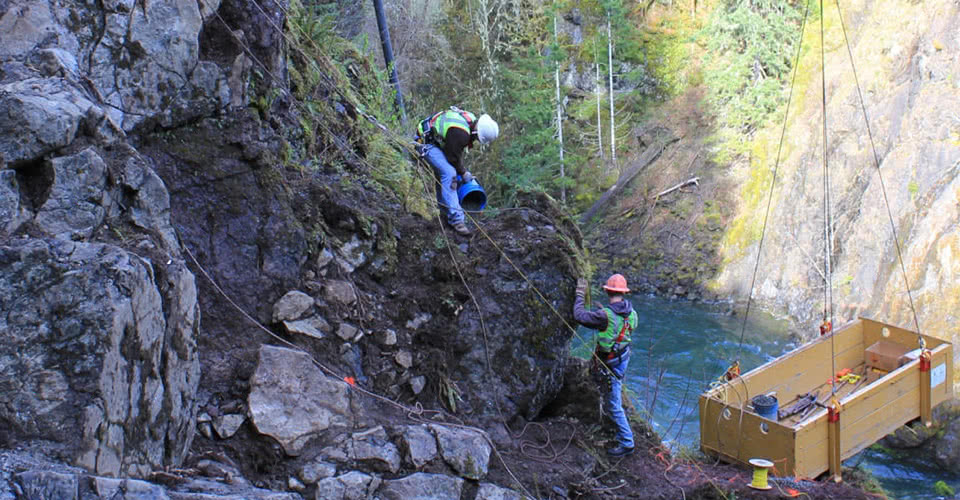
x=616 y=283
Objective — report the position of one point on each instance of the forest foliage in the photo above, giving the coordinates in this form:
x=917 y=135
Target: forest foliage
x=500 y=56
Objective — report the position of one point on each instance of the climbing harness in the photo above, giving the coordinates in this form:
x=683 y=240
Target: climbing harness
x=625 y=330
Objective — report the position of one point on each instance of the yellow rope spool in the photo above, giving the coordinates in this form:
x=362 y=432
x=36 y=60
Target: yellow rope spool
x=760 y=467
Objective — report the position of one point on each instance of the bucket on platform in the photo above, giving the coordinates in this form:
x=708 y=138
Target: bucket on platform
x=765 y=406
x=472 y=196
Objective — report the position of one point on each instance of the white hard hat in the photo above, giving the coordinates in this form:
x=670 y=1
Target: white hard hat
x=487 y=129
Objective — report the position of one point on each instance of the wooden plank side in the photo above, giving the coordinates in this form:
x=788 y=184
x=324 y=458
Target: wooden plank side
x=812 y=457
x=881 y=393
x=800 y=370
x=772 y=372
x=819 y=372
x=873 y=331
x=807 y=367
x=856 y=436
x=869 y=414
x=942 y=355
x=812 y=443
x=740 y=437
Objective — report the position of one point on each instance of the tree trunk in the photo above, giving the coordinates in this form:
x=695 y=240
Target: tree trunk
x=649 y=156
x=556 y=72
x=613 y=128
x=596 y=61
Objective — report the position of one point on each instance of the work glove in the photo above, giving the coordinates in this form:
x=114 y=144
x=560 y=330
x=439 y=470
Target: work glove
x=581 y=287
x=453 y=184
x=467 y=177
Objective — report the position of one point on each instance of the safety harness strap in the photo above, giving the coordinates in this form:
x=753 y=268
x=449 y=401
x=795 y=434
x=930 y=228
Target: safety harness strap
x=624 y=329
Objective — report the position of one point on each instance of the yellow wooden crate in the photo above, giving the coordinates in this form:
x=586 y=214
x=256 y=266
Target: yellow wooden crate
x=869 y=410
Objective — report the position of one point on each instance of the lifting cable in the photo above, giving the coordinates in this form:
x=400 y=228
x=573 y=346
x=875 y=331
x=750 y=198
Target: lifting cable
x=827 y=215
x=883 y=189
x=828 y=306
x=773 y=183
x=733 y=372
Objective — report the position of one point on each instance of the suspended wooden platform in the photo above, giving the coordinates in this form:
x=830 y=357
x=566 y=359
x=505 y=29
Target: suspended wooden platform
x=807 y=444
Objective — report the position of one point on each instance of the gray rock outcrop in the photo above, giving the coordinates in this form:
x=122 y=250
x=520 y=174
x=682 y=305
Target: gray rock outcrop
x=38 y=116
x=138 y=63
x=291 y=400
x=100 y=314
x=83 y=363
x=12 y=212
x=76 y=204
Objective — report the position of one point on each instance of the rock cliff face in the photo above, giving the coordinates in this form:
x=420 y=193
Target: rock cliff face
x=99 y=312
x=907 y=67
x=129 y=162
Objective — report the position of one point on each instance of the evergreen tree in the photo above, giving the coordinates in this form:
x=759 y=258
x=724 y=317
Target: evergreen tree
x=750 y=44
x=530 y=159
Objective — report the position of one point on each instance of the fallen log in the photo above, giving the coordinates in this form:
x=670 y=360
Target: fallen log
x=695 y=181
x=649 y=156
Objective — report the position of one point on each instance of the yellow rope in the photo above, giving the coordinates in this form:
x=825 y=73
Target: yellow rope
x=760 y=467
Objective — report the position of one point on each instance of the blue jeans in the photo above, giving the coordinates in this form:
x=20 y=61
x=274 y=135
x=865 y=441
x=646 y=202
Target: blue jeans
x=447 y=200
x=614 y=403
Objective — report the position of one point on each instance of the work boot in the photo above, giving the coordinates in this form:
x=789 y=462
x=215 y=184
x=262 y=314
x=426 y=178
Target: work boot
x=619 y=451
x=461 y=229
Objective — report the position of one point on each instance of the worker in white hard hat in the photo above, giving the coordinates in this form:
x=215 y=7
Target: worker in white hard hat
x=443 y=139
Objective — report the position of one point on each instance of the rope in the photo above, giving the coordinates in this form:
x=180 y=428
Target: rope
x=415 y=413
x=827 y=213
x=735 y=373
x=404 y=144
x=883 y=189
x=773 y=182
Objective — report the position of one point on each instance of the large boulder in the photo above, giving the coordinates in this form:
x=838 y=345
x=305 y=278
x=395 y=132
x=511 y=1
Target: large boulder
x=488 y=491
x=292 y=401
x=118 y=63
x=39 y=115
x=422 y=486
x=419 y=445
x=946 y=447
x=374 y=449
x=350 y=486
x=90 y=358
x=25 y=475
x=467 y=451
x=75 y=206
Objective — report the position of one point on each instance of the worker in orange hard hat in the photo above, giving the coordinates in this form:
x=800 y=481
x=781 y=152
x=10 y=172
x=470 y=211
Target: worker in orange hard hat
x=614 y=324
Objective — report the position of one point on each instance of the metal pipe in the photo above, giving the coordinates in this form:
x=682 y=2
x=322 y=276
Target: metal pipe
x=388 y=56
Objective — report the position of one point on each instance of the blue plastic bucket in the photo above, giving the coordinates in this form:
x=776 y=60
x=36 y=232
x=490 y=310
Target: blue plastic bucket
x=472 y=196
x=765 y=406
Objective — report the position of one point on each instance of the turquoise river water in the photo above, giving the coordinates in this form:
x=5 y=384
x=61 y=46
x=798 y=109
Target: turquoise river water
x=680 y=346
